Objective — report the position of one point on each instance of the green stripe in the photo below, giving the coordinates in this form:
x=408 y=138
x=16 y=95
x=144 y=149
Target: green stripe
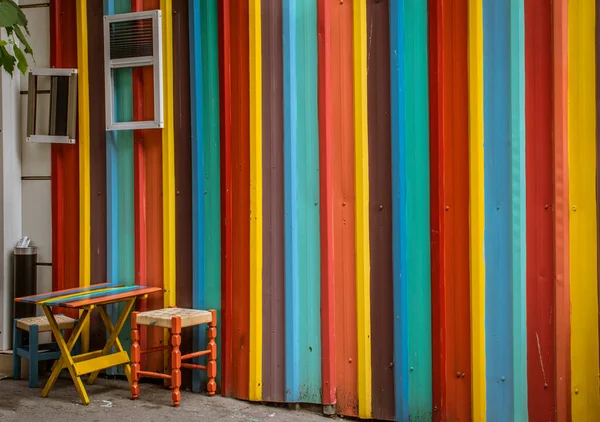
x=518 y=202
x=308 y=203
x=418 y=271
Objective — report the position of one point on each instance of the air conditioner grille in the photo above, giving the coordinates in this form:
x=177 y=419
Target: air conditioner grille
x=129 y=39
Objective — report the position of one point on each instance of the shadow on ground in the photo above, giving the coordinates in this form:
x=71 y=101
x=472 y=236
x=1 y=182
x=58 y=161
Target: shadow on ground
x=110 y=400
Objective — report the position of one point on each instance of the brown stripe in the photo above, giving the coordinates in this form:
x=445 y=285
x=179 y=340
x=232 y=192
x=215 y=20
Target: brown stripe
x=273 y=206
x=380 y=209
x=97 y=161
x=183 y=167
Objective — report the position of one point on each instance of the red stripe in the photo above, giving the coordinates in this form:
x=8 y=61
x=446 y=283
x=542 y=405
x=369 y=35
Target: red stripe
x=65 y=162
x=540 y=216
x=561 y=203
x=438 y=320
x=325 y=143
x=450 y=210
x=226 y=197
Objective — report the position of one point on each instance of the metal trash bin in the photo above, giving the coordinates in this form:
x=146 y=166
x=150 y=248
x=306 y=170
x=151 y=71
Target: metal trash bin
x=25 y=280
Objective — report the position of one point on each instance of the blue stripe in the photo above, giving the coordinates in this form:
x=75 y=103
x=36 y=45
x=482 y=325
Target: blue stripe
x=398 y=114
x=290 y=130
x=114 y=291
x=197 y=177
x=498 y=301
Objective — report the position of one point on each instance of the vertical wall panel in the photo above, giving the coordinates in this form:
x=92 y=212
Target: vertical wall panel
x=476 y=209
x=380 y=209
x=496 y=115
x=98 y=164
x=256 y=198
x=240 y=201
x=83 y=103
x=120 y=186
x=151 y=144
x=308 y=203
x=518 y=207
x=204 y=82
x=361 y=177
x=225 y=87
x=273 y=200
x=183 y=168
x=562 y=293
x=326 y=206
x=583 y=224
x=343 y=207
x=301 y=149
x=65 y=165
x=418 y=274
x=540 y=227
x=452 y=368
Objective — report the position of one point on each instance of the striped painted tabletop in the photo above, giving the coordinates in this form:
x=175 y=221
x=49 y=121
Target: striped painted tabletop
x=85 y=296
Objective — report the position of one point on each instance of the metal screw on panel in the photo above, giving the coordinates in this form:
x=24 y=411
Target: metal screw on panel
x=391 y=364
x=503 y=379
x=462 y=375
x=435 y=409
x=380 y=207
x=447 y=208
x=546 y=207
x=545 y=385
x=349 y=360
x=576 y=391
x=412 y=369
x=574 y=208
x=344 y=204
x=458 y=375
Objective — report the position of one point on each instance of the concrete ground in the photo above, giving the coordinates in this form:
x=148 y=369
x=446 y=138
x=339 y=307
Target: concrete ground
x=110 y=401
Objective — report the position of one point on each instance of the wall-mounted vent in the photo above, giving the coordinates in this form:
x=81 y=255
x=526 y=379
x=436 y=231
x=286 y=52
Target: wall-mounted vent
x=133 y=40
x=52 y=118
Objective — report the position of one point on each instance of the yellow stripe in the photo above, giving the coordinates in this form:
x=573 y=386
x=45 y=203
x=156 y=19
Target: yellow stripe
x=361 y=160
x=63 y=297
x=168 y=156
x=585 y=383
x=256 y=216
x=476 y=209
x=84 y=156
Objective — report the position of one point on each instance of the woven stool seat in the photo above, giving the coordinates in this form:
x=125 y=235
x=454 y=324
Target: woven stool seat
x=64 y=323
x=162 y=317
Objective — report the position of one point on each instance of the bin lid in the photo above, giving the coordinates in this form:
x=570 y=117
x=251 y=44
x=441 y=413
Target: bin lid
x=29 y=250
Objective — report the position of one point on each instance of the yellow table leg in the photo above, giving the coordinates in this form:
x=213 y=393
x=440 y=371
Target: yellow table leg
x=113 y=340
x=65 y=349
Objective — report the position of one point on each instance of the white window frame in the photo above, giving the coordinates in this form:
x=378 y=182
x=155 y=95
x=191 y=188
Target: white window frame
x=69 y=138
x=155 y=61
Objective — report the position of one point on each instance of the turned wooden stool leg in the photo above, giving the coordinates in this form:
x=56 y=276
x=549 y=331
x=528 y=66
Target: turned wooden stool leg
x=176 y=359
x=135 y=357
x=211 y=367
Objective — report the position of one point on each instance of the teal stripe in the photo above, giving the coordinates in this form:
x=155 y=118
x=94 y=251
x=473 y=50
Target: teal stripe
x=308 y=202
x=418 y=272
x=114 y=291
x=121 y=190
x=518 y=203
x=206 y=168
x=212 y=163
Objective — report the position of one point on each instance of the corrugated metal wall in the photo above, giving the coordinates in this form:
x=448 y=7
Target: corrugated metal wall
x=392 y=204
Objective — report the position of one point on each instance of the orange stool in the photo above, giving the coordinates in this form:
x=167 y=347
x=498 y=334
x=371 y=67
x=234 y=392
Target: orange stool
x=174 y=319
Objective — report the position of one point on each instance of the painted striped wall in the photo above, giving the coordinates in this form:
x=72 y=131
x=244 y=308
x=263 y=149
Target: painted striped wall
x=392 y=204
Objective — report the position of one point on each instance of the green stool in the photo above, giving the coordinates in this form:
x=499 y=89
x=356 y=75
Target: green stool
x=33 y=351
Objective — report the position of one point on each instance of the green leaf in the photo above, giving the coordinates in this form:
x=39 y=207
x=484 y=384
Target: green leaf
x=21 y=59
x=7 y=60
x=23 y=40
x=9 y=14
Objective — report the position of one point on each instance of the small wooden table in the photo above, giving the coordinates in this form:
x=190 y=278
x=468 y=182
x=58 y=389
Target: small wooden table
x=86 y=299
